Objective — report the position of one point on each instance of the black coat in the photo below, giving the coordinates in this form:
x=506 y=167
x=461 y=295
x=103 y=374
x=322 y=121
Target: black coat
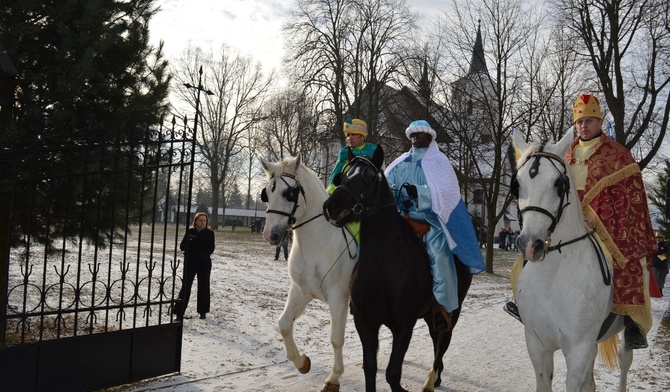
x=197 y=246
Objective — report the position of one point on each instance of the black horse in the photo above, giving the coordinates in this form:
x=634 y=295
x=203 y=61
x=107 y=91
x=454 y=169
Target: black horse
x=391 y=284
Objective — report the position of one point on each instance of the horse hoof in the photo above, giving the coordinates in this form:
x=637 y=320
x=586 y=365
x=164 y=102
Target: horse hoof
x=330 y=387
x=306 y=366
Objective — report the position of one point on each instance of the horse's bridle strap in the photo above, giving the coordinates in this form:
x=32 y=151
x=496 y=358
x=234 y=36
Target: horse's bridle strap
x=307 y=221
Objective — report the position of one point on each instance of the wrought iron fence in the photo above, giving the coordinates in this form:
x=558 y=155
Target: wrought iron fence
x=88 y=247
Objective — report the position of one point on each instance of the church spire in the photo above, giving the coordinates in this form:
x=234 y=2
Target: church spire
x=478 y=63
x=424 y=83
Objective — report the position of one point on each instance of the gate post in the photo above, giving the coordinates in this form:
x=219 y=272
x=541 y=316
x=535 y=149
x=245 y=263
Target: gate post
x=4 y=262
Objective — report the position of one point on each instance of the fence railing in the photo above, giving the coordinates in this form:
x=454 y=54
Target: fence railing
x=86 y=247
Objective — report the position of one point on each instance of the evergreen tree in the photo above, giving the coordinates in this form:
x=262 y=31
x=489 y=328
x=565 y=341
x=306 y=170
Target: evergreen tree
x=235 y=199
x=88 y=88
x=659 y=196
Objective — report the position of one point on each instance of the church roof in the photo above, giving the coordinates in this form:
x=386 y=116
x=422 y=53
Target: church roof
x=478 y=62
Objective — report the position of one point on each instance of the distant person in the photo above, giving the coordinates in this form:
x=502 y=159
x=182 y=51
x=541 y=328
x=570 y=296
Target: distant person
x=234 y=224
x=502 y=238
x=660 y=264
x=284 y=245
x=198 y=246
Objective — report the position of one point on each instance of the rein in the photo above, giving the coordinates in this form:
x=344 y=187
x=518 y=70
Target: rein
x=604 y=270
x=306 y=222
x=566 y=243
x=359 y=207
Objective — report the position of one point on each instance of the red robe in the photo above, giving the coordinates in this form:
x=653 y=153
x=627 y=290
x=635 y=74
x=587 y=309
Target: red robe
x=615 y=203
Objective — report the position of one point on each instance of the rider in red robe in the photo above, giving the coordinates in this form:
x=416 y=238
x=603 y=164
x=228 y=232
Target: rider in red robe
x=614 y=202
x=613 y=199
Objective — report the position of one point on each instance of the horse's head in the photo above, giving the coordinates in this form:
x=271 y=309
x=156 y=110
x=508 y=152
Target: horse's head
x=283 y=194
x=357 y=188
x=541 y=185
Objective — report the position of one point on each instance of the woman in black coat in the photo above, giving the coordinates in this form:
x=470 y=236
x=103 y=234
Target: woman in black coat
x=198 y=246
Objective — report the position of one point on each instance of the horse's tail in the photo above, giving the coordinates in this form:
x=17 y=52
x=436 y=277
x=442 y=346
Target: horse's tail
x=608 y=351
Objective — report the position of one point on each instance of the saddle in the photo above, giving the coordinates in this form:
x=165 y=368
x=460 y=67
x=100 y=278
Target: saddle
x=420 y=227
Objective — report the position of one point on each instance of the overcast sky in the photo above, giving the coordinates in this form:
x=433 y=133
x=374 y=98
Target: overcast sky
x=252 y=26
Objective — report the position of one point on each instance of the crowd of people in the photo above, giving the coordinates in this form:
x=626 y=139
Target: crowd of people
x=507 y=239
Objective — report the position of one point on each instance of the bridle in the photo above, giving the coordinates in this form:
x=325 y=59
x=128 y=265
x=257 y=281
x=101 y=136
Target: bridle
x=291 y=194
x=563 y=189
x=562 y=184
x=359 y=198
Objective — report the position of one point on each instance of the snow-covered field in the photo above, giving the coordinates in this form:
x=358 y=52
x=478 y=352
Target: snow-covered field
x=239 y=348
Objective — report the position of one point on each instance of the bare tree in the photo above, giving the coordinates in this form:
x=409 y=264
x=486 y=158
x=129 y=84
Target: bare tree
x=627 y=44
x=289 y=127
x=345 y=49
x=488 y=95
x=253 y=170
x=560 y=81
x=239 y=88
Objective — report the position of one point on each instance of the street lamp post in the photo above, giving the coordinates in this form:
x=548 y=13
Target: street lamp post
x=199 y=88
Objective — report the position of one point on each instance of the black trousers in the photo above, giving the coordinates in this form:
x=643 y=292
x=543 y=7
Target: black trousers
x=201 y=268
x=278 y=248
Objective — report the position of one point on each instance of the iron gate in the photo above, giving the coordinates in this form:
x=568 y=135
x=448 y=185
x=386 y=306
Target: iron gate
x=89 y=264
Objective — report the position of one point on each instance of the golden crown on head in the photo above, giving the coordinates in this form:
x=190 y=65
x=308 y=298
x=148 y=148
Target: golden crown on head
x=586 y=105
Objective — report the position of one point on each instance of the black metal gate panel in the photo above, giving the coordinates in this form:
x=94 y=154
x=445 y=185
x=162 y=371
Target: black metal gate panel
x=89 y=260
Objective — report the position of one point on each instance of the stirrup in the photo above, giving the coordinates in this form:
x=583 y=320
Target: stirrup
x=511 y=309
x=634 y=338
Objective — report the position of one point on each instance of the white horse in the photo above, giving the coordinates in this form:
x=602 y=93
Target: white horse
x=564 y=293
x=321 y=259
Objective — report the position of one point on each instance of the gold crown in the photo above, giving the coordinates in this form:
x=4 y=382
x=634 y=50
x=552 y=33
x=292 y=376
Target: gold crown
x=586 y=105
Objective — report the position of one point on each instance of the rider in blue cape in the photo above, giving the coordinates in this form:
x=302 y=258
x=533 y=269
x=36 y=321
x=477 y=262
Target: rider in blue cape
x=425 y=184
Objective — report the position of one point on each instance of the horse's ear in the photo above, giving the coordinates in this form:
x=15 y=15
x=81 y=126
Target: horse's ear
x=350 y=155
x=267 y=166
x=564 y=144
x=378 y=157
x=519 y=144
x=292 y=165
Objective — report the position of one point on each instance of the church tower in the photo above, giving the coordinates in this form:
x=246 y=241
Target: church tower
x=472 y=94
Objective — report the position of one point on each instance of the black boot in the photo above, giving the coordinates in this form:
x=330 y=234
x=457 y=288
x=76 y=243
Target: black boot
x=634 y=337
x=511 y=309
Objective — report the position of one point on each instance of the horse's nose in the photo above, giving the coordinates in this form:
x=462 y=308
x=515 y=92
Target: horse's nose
x=538 y=250
x=328 y=207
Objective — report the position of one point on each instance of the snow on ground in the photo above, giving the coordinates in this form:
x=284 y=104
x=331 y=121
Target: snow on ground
x=239 y=348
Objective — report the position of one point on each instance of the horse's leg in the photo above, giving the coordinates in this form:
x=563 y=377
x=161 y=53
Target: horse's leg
x=441 y=343
x=543 y=362
x=295 y=305
x=433 y=378
x=625 y=360
x=338 y=316
x=579 y=361
x=369 y=335
x=402 y=335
